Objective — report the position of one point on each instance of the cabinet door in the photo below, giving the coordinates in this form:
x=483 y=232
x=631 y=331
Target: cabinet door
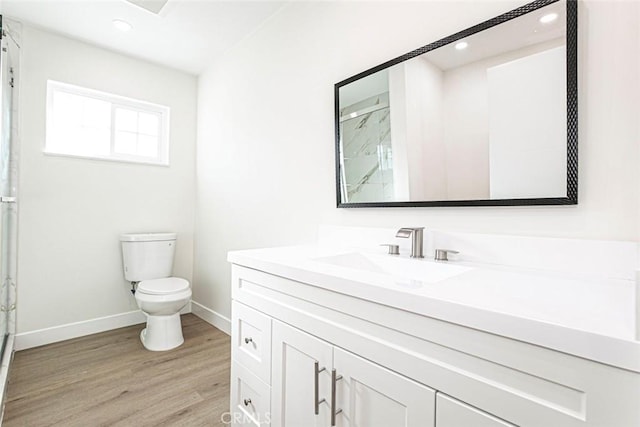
x=295 y=380
x=453 y=413
x=369 y=395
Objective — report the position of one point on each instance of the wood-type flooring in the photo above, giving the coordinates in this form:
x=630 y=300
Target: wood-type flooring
x=109 y=379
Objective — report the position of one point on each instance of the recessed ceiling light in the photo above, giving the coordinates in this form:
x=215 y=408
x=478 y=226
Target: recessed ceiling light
x=548 y=18
x=461 y=45
x=121 y=25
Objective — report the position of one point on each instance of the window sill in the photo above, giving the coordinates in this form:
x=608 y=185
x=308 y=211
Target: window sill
x=107 y=159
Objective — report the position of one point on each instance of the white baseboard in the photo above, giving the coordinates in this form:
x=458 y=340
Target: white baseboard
x=216 y=319
x=78 y=329
x=45 y=336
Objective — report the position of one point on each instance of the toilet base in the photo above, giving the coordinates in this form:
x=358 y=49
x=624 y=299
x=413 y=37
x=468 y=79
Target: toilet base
x=162 y=333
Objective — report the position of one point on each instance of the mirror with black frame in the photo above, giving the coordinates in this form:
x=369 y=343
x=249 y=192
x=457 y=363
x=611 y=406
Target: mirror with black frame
x=484 y=117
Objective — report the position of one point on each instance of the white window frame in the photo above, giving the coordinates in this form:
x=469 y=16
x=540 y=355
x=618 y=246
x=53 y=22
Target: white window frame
x=116 y=101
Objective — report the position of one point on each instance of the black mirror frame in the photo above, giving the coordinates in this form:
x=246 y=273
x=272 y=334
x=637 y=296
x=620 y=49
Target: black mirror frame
x=572 y=113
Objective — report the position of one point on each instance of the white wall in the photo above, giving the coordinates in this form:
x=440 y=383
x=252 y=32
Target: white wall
x=399 y=132
x=422 y=124
x=266 y=168
x=466 y=125
x=466 y=131
x=527 y=159
x=72 y=210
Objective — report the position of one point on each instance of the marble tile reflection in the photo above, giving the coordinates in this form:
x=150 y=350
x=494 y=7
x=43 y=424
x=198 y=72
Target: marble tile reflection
x=366 y=150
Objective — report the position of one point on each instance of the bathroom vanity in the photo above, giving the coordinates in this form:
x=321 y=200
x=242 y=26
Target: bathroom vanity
x=324 y=337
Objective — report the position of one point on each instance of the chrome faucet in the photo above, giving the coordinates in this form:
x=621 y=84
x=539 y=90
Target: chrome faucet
x=416 y=234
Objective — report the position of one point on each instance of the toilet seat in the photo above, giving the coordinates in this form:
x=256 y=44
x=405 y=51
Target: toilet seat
x=164 y=286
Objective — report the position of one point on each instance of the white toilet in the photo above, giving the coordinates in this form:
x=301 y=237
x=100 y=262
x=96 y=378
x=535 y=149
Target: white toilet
x=148 y=261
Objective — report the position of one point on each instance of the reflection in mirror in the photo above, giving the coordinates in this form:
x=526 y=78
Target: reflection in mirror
x=482 y=118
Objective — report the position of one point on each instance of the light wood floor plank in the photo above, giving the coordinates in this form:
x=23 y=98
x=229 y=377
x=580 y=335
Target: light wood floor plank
x=109 y=379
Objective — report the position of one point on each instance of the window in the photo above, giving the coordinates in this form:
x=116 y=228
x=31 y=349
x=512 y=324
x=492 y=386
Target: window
x=87 y=123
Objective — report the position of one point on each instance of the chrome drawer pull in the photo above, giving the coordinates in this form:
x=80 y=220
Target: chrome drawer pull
x=316 y=373
x=247 y=402
x=334 y=379
x=248 y=340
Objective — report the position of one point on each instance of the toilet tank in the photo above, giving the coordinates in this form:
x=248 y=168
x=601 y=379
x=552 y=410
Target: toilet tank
x=147 y=256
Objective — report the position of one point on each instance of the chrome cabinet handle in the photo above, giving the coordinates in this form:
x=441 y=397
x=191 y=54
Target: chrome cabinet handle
x=334 y=380
x=248 y=340
x=316 y=390
x=246 y=402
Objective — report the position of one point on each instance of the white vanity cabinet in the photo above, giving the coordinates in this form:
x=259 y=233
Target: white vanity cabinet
x=250 y=398
x=452 y=413
x=312 y=379
x=251 y=367
x=301 y=378
x=395 y=367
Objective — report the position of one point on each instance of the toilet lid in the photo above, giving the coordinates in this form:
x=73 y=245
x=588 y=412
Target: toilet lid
x=164 y=286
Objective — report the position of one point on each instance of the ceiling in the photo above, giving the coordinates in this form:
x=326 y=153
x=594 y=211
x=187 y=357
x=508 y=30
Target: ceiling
x=185 y=34
x=510 y=36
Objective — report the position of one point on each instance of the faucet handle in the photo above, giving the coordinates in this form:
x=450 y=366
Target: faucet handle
x=443 y=254
x=393 y=249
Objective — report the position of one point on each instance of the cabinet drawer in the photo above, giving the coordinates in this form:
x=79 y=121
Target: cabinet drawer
x=453 y=413
x=250 y=398
x=251 y=340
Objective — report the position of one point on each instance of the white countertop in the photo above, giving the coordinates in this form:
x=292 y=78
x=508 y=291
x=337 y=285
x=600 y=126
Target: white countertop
x=587 y=316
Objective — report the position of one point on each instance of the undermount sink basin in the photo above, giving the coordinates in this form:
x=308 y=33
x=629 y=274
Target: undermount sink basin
x=406 y=268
